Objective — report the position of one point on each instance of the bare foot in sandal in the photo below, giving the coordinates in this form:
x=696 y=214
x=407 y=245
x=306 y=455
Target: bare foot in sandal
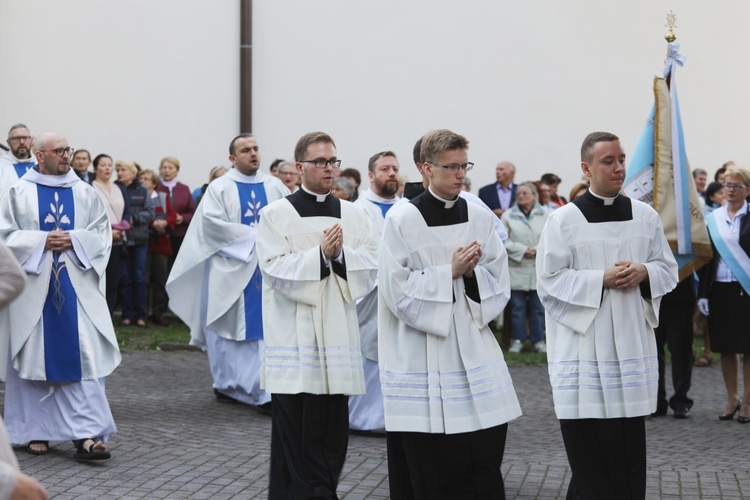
x=38 y=447
x=87 y=449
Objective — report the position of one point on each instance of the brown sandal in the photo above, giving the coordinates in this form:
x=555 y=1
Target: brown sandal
x=704 y=361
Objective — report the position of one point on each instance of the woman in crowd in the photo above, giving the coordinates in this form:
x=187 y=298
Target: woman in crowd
x=353 y=175
x=725 y=290
x=343 y=188
x=288 y=174
x=179 y=195
x=159 y=246
x=578 y=190
x=553 y=181
x=133 y=280
x=543 y=194
x=214 y=174
x=524 y=222
x=116 y=201
x=714 y=194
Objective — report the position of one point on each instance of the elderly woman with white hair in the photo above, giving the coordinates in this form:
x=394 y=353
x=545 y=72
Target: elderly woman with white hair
x=524 y=222
x=133 y=278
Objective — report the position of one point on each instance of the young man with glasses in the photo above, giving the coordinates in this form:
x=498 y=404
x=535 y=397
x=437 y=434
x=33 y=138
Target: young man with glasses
x=18 y=160
x=61 y=339
x=443 y=276
x=318 y=255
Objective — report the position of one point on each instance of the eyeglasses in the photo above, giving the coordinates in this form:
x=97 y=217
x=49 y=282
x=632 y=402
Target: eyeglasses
x=59 y=151
x=731 y=187
x=322 y=162
x=454 y=168
x=20 y=138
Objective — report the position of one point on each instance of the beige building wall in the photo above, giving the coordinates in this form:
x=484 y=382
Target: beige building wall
x=524 y=81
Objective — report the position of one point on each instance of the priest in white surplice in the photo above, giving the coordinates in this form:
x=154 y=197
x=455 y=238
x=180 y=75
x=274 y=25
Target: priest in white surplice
x=318 y=255
x=215 y=283
x=448 y=394
x=366 y=411
x=62 y=343
x=603 y=264
x=17 y=161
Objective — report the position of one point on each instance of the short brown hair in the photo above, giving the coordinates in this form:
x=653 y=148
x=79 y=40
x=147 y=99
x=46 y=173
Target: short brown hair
x=437 y=141
x=300 y=150
x=82 y=151
x=591 y=140
x=376 y=157
x=147 y=172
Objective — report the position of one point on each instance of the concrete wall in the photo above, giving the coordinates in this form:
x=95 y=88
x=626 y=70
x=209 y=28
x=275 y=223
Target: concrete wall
x=524 y=81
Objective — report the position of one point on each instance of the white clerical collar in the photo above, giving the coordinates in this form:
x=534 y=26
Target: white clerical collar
x=246 y=179
x=320 y=198
x=12 y=158
x=607 y=201
x=64 y=180
x=448 y=203
x=370 y=195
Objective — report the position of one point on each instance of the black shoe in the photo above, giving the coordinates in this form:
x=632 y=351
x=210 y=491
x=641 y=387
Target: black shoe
x=660 y=412
x=223 y=398
x=159 y=320
x=730 y=416
x=265 y=408
x=743 y=420
x=682 y=412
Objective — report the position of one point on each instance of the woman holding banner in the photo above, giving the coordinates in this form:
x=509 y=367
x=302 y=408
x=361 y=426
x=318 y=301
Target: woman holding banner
x=725 y=290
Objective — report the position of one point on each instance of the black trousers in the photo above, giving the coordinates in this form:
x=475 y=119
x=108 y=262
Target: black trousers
x=114 y=269
x=607 y=458
x=676 y=331
x=447 y=466
x=309 y=438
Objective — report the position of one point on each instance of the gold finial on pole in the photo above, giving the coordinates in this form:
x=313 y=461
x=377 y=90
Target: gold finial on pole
x=671 y=24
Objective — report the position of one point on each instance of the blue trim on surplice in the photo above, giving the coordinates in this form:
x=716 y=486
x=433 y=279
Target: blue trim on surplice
x=22 y=168
x=252 y=198
x=384 y=207
x=62 y=352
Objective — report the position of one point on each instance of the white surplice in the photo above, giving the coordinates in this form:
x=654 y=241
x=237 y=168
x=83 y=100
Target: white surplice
x=601 y=347
x=311 y=332
x=9 y=172
x=441 y=368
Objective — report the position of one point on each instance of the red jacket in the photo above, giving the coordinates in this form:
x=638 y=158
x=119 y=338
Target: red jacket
x=163 y=210
x=183 y=203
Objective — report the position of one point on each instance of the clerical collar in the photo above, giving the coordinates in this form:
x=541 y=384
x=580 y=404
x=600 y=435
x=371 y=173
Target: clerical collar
x=320 y=198
x=37 y=177
x=605 y=200
x=448 y=203
x=247 y=179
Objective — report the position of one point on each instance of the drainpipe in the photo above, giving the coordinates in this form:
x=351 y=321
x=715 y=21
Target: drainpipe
x=246 y=66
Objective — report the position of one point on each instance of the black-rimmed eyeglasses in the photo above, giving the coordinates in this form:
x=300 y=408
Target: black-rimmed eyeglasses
x=466 y=167
x=59 y=151
x=322 y=162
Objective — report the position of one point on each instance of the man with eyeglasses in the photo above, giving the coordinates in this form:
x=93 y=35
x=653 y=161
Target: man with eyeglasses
x=443 y=276
x=18 y=160
x=318 y=255
x=62 y=343
x=215 y=283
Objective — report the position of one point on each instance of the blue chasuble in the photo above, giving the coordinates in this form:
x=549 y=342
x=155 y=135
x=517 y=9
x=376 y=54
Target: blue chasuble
x=22 y=168
x=62 y=353
x=252 y=199
x=384 y=207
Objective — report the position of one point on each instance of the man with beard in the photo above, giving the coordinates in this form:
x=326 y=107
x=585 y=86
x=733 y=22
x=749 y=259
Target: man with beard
x=220 y=260
x=62 y=343
x=17 y=161
x=366 y=411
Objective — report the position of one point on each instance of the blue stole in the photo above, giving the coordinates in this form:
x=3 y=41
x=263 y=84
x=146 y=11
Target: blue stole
x=730 y=250
x=22 y=168
x=252 y=199
x=384 y=207
x=62 y=352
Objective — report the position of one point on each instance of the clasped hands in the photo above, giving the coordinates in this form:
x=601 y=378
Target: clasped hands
x=625 y=275
x=333 y=241
x=58 y=241
x=465 y=259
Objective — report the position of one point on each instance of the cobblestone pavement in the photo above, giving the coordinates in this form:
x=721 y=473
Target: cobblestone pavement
x=175 y=440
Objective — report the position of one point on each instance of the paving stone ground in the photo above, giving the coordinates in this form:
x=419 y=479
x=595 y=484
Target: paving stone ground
x=176 y=441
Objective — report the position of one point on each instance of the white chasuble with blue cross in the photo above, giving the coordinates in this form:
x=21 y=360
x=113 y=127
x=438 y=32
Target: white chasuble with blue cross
x=252 y=199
